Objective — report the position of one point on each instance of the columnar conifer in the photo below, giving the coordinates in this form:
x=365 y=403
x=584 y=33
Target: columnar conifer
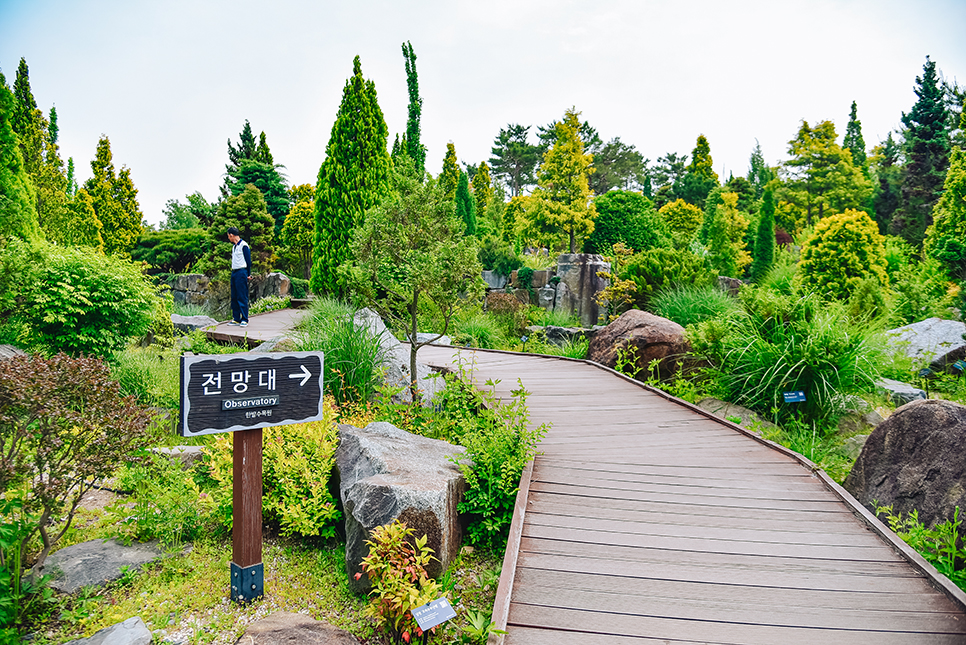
x=413 y=145
x=354 y=177
x=18 y=210
x=450 y=176
x=765 y=241
x=465 y=206
x=115 y=201
x=482 y=188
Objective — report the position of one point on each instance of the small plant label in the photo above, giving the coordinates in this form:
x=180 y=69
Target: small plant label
x=433 y=613
x=794 y=397
x=230 y=392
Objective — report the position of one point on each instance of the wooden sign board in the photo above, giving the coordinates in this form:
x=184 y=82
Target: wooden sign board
x=231 y=392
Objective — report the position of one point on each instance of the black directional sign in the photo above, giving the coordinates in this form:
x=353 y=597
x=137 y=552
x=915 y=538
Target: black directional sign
x=225 y=393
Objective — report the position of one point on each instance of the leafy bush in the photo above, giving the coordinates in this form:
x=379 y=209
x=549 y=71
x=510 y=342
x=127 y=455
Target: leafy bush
x=941 y=545
x=845 y=249
x=63 y=426
x=269 y=303
x=682 y=219
x=497 y=255
x=922 y=291
x=782 y=343
x=499 y=443
x=353 y=356
x=79 y=302
x=512 y=314
x=169 y=506
x=297 y=462
x=663 y=268
x=300 y=288
x=626 y=217
x=687 y=305
x=396 y=568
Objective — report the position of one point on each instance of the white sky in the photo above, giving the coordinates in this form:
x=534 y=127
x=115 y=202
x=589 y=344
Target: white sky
x=171 y=81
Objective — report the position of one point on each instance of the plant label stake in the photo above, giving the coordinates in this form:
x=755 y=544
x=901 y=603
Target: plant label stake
x=243 y=393
x=433 y=613
x=797 y=396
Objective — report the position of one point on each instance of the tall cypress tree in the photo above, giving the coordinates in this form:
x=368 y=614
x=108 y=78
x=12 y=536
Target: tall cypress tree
x=354 y=177
x=115 y=201
x=450 y=176
x=482 y=188
x=927 y=157
x=465 y=206
x=18 y=210
x=764 y=254
x=414 y=147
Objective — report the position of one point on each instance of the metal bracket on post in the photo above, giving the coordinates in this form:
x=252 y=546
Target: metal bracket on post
x=247 y=583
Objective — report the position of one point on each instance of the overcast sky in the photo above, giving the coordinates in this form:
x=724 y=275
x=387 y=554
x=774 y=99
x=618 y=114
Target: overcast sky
x=171 y=81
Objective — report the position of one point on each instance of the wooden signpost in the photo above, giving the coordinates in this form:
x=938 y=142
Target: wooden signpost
x=243 y=393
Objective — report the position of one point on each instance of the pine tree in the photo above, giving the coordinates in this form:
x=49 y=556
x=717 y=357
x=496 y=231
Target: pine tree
x=482 y=188
x=354 y=177
x=759 y=174
x=18 y=209
x=450 y=177
x=700 y=177
x=514 y=160
x=413 y=145
x=885 y=160
x=946 y=238
x=246 y=211
x=268 y=181
x=562 y=201
x=820 y=178
x=927 y=157
x=465 y=206
x=854 y=142
x=764 y=254
x=115 y=201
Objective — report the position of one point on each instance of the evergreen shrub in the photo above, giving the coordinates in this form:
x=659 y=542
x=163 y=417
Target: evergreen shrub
x=664 y=268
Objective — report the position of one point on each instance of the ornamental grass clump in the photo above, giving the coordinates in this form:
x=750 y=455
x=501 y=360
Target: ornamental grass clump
x=784 y=343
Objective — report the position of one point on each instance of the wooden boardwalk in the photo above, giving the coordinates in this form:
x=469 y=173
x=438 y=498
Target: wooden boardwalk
x=261 y=327
x=646 y=520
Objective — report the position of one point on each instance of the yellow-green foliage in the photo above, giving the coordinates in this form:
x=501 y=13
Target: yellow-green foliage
x=682 y=219
x=726 y=238
x=844 y=249
x=296 y=464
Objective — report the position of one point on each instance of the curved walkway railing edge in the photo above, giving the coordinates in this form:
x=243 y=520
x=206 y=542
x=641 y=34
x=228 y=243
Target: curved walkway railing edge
x=501 y=603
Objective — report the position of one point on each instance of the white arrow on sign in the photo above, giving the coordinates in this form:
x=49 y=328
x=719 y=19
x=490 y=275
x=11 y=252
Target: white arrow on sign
x=305 y=375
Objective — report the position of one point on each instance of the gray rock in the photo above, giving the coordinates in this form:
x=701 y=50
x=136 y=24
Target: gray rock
x=285 y=628
x=580 y=272
x=642 y=337
x=546 y=296
x=272 y=284
x=934 y=340
x=729 y=411
x=188 y=456
x=95 y=562
x=561 y=335
x=9 y=351
x=731 y=286
x=434 y=339
x=495 y=280
x=277 y=344
x=132 y=631
x=189 y=282
x=898 y=392
x=852 y=447
x=384 y=474
x=855 y=422
x=188 y=324
x=395 y=360
x=914 y=461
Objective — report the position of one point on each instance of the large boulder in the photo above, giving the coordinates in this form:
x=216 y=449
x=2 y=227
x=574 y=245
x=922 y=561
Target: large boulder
x=395 y=360
x=495 y=280
x=271 y=284
x=914 y=461
x=580 y=272
x=95 y=562
x=938 y=341
x=640 y=337
x=190 y=288
x=385 y=474
x=285 y=628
